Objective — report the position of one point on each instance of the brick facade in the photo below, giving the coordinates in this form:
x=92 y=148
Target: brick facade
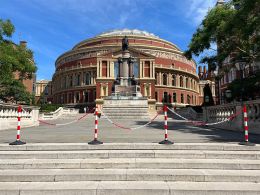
x=90 y=67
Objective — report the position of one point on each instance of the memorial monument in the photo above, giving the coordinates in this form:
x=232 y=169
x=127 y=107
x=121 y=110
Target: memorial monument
x=126 y=84
x=126 y=100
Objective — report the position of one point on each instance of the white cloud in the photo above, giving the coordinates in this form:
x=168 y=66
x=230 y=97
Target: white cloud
x=198 y=9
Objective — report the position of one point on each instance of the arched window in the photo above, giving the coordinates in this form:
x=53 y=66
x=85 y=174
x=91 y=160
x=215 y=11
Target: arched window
x=173 y=80
x=188 y=99
x=78 y=80
x=181 y=81
x=187 y=83
x=71 y=81
x=88 y=80
x=64 y=82
x=174 y=97
x=182 y=99
x=86 y=96
x=164 y=79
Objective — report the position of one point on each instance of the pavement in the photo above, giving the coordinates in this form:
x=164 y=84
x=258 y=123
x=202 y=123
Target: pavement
x=82 y=131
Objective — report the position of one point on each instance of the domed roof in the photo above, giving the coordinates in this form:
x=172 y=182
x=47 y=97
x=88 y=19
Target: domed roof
x=127 y=32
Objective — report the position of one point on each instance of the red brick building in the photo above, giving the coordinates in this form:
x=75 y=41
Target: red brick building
x=85 y=74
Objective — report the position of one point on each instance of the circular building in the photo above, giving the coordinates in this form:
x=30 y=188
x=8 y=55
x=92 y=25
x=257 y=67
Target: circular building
x=85 y=75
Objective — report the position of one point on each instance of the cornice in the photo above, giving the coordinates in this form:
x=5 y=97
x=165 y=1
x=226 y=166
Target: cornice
x=175 y=87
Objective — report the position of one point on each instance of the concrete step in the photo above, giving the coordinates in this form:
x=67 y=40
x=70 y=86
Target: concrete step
x=173 y=154
x=124 y=163
x=185 y=175
x=129 y=188
x=129 y=146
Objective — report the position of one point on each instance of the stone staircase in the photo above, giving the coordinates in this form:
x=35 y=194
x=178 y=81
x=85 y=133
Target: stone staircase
x=126 y=109
x=188 y=168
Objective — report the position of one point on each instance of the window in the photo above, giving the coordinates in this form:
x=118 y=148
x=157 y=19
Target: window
x=147 y=69
x=165 y=97
x=173 y=80
x=46 y=90
x=77 y=97
x=94 y=95
x=136 y=70
x=164 y=79
x=156 y=96
x=188 y=99
x=104 y=68
x=182 y=99
x=88 y=79
x=116 y=69
x=65 y=82
x=187 y=83
x=86 y=96
x=174 y=97
x=181 y=81
x=156 y=82
x=71 y=81
x=78 y=80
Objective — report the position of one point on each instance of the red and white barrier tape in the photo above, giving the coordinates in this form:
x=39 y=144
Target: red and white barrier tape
x=62 y=124
x=203 y=123
x=130 y=128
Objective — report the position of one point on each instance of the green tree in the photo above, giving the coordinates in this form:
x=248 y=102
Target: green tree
x=234 y=27
x=14 y=58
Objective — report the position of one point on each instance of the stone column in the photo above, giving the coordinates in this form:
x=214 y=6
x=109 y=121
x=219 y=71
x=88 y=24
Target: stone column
x=160 y=78
x=125 y=72
x=81 y=79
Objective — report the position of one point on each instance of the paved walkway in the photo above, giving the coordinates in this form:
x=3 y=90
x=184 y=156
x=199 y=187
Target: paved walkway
x=82 y=131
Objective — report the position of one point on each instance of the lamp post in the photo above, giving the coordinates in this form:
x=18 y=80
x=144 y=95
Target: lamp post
x=215 y=75
x=206 y=99
x=240 y=65
x=228 y=94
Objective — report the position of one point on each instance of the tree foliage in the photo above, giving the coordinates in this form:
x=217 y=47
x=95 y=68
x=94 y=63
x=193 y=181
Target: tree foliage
x=13 y=58
x=248 y=87
x=234 y=27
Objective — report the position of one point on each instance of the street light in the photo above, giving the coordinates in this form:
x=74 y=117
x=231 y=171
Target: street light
x=217 y=84
x=228 y=94
x=206 y=99
x=240 y=65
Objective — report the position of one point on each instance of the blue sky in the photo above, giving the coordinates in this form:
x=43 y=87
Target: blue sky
x=52 y=27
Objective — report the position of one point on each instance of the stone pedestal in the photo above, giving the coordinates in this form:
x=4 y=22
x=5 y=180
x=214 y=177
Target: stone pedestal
x=124 y=77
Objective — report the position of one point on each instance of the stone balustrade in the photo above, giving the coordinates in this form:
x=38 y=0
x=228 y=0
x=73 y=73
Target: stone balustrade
x=8 y=116
x=61 y=111
x=221 y=112
x=190 y=113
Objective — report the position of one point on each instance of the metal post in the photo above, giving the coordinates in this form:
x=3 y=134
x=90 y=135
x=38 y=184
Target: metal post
x=18 y=135
x=245 y=122
x=165 y=141
x=96 y=141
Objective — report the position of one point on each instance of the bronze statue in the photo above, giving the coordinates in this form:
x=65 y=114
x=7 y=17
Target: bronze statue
x=125 y=43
